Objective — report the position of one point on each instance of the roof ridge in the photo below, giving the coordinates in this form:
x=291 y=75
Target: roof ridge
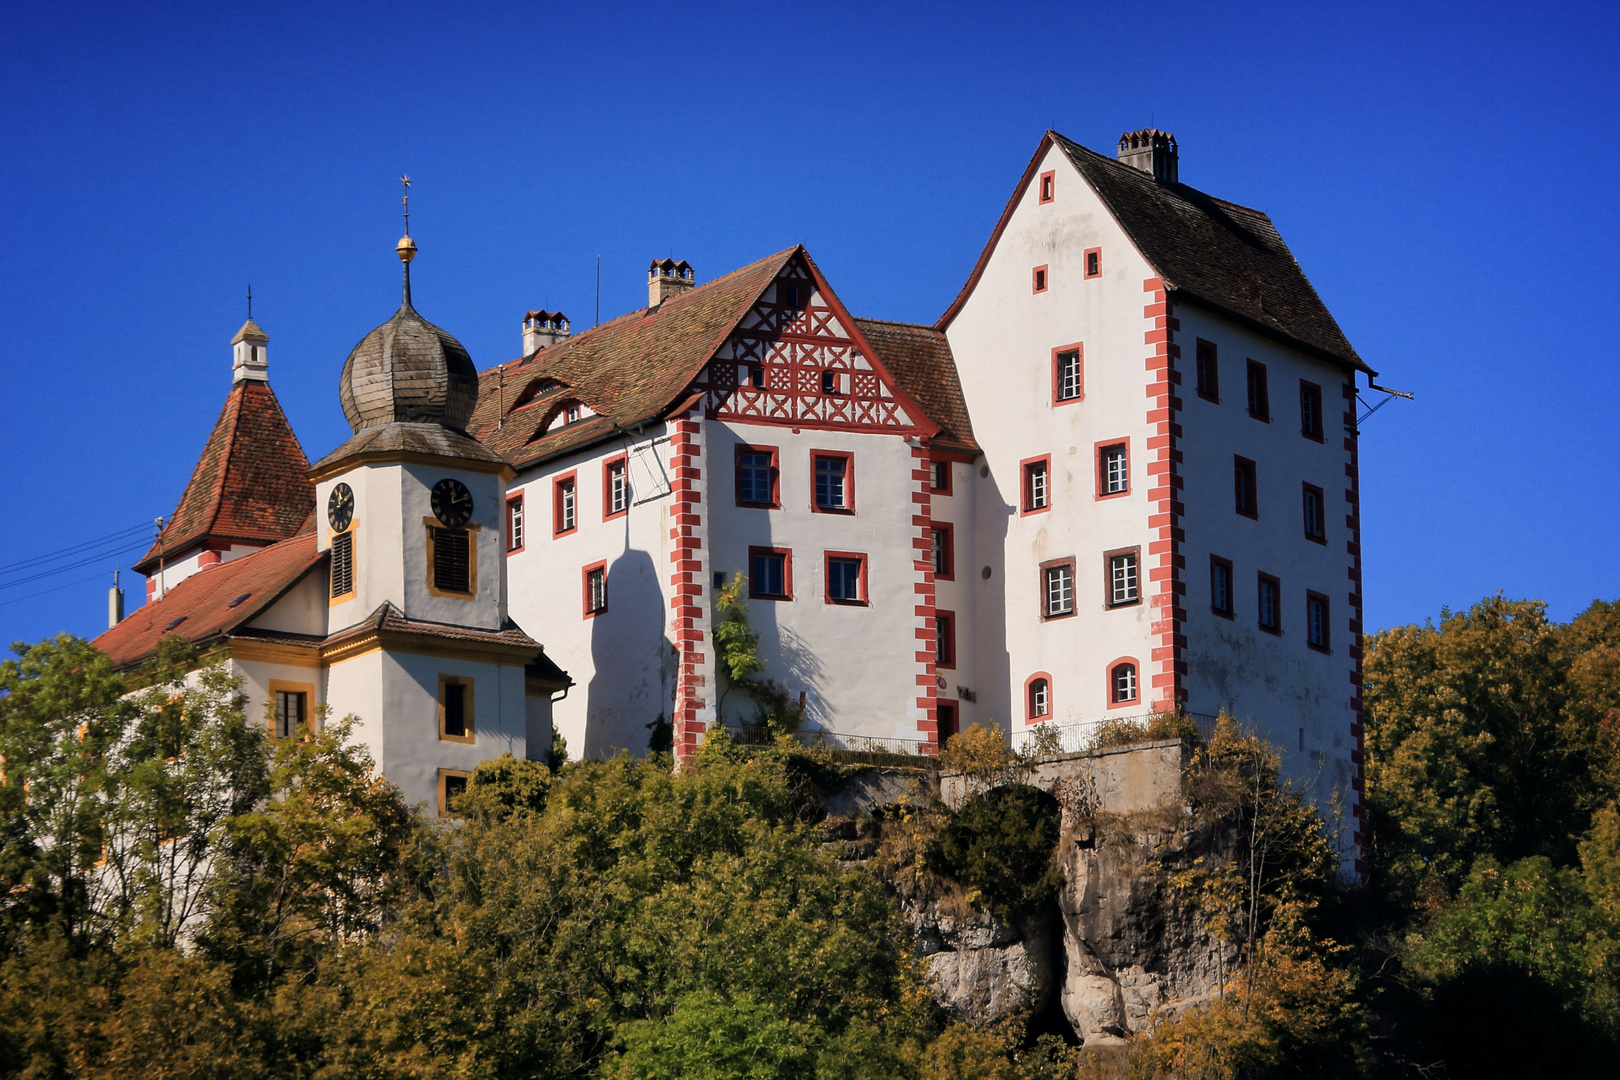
x=897 y=322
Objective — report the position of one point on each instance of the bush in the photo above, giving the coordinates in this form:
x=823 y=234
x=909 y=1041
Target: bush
x=1000 y=846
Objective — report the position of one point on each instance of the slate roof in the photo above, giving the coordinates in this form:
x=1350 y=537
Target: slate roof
x=390 y=440
x=200 y=608
x=628 y=370
x=249 y=485
x=920 y=359
x=1208 y=251
x=388 y=619
x=640 y=367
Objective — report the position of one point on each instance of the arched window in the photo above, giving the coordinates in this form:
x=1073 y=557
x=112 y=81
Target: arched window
x=1123 y=685
x=1038 y=697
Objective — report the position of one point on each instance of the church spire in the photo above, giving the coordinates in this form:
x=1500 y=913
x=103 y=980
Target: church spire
x=406 y=248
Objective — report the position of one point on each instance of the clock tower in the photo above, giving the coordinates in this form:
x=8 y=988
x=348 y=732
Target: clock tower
x=410 y=512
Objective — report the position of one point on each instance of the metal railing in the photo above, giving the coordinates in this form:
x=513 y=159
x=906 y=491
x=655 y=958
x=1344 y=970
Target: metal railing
x=1080 y=735
x=813 y=738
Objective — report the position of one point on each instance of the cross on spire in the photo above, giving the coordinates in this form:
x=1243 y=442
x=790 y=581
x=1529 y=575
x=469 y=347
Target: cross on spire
x=405 y=201
x=250 y=303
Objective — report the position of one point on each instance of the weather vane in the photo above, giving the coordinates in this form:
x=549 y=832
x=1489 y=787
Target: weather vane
x=250 y=303
x=405 y=201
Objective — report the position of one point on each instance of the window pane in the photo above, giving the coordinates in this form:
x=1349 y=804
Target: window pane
x=844 y=579
x=455 y=715
x=1039 y=704
x=1068 y=376
x=830 y=482
x=942 y=475
x=755 y=477
x=768 y=575
x=618 y=492
x=1125 y=683
x=1059 y=590
x=1115 y=474
x=1035 y=486
x=515 y=520
x=942 y=639
x=1220 y=587
x=1122 y=579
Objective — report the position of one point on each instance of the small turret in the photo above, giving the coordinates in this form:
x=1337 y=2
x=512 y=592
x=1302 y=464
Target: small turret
x=250 y=354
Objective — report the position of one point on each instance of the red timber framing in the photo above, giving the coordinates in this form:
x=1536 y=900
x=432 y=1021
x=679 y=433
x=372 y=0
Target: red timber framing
x=922 y=543
x=689 y=621
x=1162 y=676
x=795 y=345
x=1352 y=495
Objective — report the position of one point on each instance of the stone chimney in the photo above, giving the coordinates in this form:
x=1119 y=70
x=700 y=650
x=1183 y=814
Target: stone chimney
x=250 y=354
x=1152 y=151
x=542 y=329
x=667 y=278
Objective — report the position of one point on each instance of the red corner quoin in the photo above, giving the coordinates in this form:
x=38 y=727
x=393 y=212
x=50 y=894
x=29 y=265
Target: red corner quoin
x=1165 y=509
x=686 y=582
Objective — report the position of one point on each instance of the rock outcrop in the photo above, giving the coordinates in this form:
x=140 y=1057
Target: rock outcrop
x=984 y=970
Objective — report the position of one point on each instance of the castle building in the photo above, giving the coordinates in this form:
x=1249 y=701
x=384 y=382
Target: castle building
x=1118 y=475
x=373 y=583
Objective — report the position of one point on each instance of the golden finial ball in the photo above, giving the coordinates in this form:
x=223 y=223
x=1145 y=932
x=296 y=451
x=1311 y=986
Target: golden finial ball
x=406 y=248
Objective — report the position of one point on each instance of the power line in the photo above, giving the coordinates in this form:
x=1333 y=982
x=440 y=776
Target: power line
x=77 y=548
x=127 y=549
x=53 y=588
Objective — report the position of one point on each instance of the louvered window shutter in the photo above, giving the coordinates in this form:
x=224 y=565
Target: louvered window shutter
x=452 y=560
x=342 y=563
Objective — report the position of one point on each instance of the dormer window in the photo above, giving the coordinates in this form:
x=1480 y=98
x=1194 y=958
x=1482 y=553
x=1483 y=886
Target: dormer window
x=571 y=413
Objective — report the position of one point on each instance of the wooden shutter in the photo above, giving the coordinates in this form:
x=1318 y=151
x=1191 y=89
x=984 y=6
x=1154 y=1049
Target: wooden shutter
x=342 y=564
x=452 y=571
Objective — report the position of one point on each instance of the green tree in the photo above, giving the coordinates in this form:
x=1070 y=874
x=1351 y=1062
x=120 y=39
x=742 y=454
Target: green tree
x=61 y=712
x=1467 y=750
x=736 y=643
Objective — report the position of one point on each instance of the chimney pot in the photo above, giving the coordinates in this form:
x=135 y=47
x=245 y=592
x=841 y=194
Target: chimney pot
x=543 y=329
x=667 y=278
x=1153 y=151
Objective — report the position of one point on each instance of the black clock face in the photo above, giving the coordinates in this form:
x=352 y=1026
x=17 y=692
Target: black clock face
x=340 y=507
x=452 y=503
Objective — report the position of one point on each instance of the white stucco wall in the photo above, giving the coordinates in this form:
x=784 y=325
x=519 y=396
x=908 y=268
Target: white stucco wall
x=391 y=503
x=1003 y=339
x=622 y=660
x=855 y=663
x=1273 y=682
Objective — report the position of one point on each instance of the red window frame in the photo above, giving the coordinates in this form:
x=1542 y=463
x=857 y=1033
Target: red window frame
x=1089 y=272
x=936 y=467
x=1040 y=279
x=1079 y=350
x=1231 y=587
x=571 y=477
x=1113 y=668
x=585 y=588
x=1312 y=392
x=1250 y=507
x=1047 y=191
x=776 y=476
x=826 y=578
x=516 y=500
x=1207 y=371
x=1029 y=703
x=787 y=573
x=849 y=482
x=1023 y=485
x=1102 y=475
x=1306 y=491
x=608 y=513
x=1276 y=603
x=949 y=549
x=1257 y=387
x=1326 y=644
x=945 y=639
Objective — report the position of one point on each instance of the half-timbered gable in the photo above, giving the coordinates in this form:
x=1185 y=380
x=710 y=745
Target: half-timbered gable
x=796 y=358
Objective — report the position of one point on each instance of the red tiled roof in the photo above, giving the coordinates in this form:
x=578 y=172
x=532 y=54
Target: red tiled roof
x=200 y=608
x=1208 y=251
x=920 y=360
x=249 y=483
x=388 y=619
x=627 y=370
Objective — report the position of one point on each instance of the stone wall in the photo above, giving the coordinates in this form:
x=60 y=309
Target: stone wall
x=1126 y=779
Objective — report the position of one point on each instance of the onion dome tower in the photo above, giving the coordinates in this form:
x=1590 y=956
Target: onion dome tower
x=407 y=370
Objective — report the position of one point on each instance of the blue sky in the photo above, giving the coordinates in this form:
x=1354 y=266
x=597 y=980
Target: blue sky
x=1445 y=175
